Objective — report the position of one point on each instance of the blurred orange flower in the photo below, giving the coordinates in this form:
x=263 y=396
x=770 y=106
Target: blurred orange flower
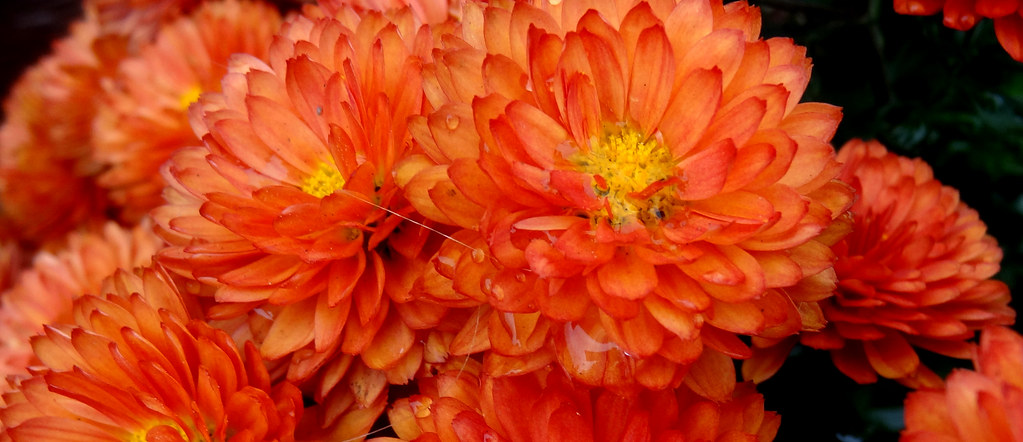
x=461 y=403
x=136 y=21
x=44 y=293
x=982 y=405
x=426 y=11
x=643 y=178
x=290 y=208
x=142 y=116
x=44 y=143
x=913 y=273
x=963 y=14
x=134 y=367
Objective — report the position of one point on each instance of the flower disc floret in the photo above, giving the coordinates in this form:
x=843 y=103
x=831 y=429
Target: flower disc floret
x=629 y=173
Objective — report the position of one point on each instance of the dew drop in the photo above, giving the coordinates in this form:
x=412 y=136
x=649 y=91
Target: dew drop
x=452 y=122
x=478 y=256
x=509 y=320
x=583 y=350
x=520 y=277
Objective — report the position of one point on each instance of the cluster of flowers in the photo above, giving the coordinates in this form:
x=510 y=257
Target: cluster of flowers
x=507 y=220
x=963 y=15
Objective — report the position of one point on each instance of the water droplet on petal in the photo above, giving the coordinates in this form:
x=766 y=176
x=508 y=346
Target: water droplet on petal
x=583 y=350
x=478 y=256
x=452 y=122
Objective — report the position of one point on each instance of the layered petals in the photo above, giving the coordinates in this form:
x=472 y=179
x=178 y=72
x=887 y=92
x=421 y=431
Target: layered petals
x=963 y=15
x=914 y=273
x=133 y=366
x=982 y=405
x=290 y=209
x=142 y=116
x=43 y=293
x=461 y=403
x=636 y=171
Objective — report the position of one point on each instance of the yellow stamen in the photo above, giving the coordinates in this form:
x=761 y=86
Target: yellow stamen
x=189 y=96
x=325 y=181
x=625 y=163
x=141 y=435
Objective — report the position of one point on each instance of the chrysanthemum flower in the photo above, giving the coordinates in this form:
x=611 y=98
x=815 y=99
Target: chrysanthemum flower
x=426 y=11
x=133 y=367
x=963 y=14
x=642 y=177
x=982 y=405
x=462 y=404
x=142 y=117
x=134 y=23
x=914 y=272
x=290 y=208
x=44 y=142
x=43 y=294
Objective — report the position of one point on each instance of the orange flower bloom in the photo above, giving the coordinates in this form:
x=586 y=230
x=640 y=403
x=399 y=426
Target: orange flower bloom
x=134 y=23
x=426 y=11
x=643 y=177
x=291 y=210
x=44 y=143
x=134 y=368
x=982 y=405
x=461 y=404
x=963 y=14
x=43 y=294
x=914 y=272
x=142 y=117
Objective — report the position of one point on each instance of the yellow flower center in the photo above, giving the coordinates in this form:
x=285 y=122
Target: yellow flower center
x=189 y=96
x=141 y=435
x=325 y=181
x=623 y=166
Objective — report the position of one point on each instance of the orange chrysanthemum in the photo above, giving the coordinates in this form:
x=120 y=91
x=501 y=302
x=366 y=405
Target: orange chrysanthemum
x=914 y=272
x=643 y=179
x=461 y=404
x=142 y=117
x=963 y=14
x=43 y=294
x=130 y=24
x=290 y=208
x=133 y=367
x=426 y=11
x=44 y=143
x=985 y=405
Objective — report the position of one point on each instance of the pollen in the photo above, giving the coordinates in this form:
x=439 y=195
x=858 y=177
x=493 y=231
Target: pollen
x=142 y=434
x=630 y=172
x=191 y=95
x=325 y=181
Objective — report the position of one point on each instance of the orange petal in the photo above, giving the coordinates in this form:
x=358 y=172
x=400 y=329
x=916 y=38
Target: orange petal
x=712 y=376
x=891 y=356
x=918 y=7
x=704 y=173
x=653 y=71
x=627 y=276
x=291 y=329
x=1009 y=30
x=691 y=109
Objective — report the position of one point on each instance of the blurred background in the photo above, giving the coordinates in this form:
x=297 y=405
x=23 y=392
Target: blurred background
x=953 y=98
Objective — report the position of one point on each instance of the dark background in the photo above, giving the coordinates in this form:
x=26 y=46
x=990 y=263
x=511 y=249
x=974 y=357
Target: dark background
x=953 y=98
